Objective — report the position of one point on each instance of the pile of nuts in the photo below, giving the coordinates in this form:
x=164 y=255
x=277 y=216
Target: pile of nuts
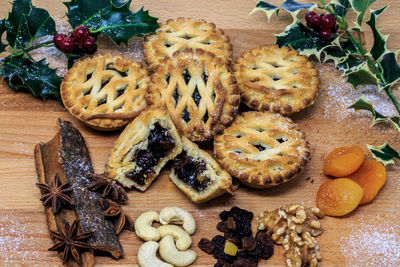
x=294 y=227
x=237 y=247
x=174 y=241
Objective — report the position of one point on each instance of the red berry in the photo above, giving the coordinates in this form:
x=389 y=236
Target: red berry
x=58 y=39
x=81 y=33
x=328 y=21
x=316 y=21
x=310 y=15
x=325 y=34
x=90 y=45
x=310 y=25
x=68 y=45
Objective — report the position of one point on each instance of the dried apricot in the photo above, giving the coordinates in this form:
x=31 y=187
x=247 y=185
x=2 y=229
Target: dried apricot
x=343 y=161
x=339 y=197
x=371 y=176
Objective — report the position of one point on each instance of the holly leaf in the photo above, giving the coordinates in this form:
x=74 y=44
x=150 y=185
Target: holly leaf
x=350 y=65
x=3 y=28
x=25 y=23
x=384 y=153
x=111 y=17
x=379 y=47
x=290 y=6
x=360 y=7
x=301 y=38
x=363 y=104
x=36 y=76
x=361 y=76
x=391 y=70
x=341 y=7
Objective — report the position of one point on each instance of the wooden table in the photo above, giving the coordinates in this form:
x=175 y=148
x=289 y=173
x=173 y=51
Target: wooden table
x=370 y=236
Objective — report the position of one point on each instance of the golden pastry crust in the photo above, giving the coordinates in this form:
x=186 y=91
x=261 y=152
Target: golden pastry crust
x=181 y=33
x=135 y=137
x=105 y=92
x=276 y=79
x=262 y=149
x=199 y=92
x=220 y=182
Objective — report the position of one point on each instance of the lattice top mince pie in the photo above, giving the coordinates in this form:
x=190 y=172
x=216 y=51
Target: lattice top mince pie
x=276 y=79
x=143 y=148
x=262 y=149
x=198 y=175
x=181 y=33
x=105 y=91
x=199 y=92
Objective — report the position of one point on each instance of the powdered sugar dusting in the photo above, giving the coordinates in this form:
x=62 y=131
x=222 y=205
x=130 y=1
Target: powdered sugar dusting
x=18 y=238
x=374 y=241
x=336 y=96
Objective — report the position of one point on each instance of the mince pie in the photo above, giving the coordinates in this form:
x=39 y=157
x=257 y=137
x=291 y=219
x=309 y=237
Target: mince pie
x=199 y=92
x=276 y=79
x=262 y=149
x=181 y=33
x=198 y=175
x=143 y=148
x=105 y=91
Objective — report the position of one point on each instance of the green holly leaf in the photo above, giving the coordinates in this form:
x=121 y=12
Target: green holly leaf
x=341 y=7
x=111 y=17
x=3 y=28
x=379 y=47
x=350 y=65
x=361 y=76
x=302 y=39
x=391 y=70
x=25 y=23
x=290 y=6
x=360 y=7
x=363 y=104
x=36 y=76
x=384 y=153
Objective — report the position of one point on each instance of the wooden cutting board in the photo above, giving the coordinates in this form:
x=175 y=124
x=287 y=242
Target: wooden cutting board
x=369 y=236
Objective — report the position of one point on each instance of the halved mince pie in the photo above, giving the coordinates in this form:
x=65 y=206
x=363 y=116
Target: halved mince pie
x=262 y=149
x=276 y=79
x=143 y=148
x=181 y=33
x=198 y=175
x=105 y=91
x=199 y=92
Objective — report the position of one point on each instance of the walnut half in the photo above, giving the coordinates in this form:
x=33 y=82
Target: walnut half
x=294 y=227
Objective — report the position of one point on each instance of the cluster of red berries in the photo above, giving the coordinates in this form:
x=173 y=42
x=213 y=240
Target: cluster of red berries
x=324 y=24
x=78 y=42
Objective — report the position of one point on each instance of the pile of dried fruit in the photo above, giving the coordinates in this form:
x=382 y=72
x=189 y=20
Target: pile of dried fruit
x=294 y=227
x=361 y=183
x=237 y=247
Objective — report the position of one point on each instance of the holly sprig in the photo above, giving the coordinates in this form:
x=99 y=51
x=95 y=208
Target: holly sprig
x=26 y=23
x=378 y=66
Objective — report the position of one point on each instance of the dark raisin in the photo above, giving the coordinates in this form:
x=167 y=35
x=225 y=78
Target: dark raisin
x=144 y=158
x=222 y=227
x=224 y=215
x=206 y=245
x=249 y=243
x=230 y=223
x=196 y=96
x=265 y=244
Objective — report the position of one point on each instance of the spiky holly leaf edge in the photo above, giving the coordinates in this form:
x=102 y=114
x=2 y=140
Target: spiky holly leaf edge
x=384 y=153
x=290 y=6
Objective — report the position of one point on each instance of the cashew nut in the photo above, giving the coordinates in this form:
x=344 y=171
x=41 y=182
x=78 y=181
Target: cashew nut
x=182 y=238
x=177 y=215
x=143 y=227
x=147 y=256
x=171 y=254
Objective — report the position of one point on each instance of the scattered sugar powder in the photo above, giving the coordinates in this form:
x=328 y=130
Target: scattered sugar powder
x=18 y=239
x=373 y=244
x=336 y=96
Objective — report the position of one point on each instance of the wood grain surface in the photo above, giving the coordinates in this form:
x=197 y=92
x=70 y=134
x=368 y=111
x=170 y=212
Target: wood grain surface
x=369 y=236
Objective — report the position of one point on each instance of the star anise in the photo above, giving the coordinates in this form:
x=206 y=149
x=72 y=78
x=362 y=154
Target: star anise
x=69 y=242
x=55 y=194
x=114 y=212
x=108 y=187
